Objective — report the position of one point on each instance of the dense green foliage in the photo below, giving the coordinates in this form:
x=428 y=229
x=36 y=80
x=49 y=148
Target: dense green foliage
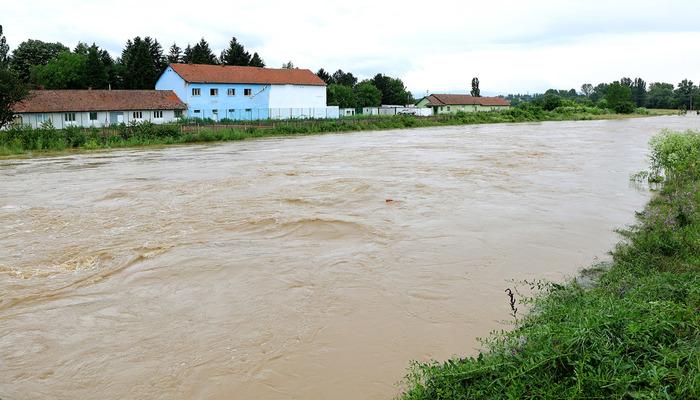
x=476 y=92
x=658 y=95
x=17 y=140
x=344 y=91
x=12 y=90
x=633 y=334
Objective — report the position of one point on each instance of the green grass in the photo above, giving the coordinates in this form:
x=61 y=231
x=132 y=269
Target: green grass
x=21 y=140
x=633 y=334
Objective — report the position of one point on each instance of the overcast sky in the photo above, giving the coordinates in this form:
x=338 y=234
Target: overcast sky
x=437 y=46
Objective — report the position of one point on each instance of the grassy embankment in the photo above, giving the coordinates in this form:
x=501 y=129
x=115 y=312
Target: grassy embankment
x=633 y=334
x=21 y=140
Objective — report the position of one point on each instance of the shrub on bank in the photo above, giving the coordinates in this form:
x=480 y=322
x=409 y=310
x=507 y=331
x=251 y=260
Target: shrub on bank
x=635 y=334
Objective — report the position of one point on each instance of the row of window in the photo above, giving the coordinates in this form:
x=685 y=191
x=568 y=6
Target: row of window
x=216 y=112
x=215 y=92
x=70 y=117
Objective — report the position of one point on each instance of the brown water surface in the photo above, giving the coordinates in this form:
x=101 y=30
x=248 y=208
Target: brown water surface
x=277 y=269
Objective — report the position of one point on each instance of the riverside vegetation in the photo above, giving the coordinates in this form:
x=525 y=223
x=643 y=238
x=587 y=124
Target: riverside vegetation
x=634 y=333
x=21 y=139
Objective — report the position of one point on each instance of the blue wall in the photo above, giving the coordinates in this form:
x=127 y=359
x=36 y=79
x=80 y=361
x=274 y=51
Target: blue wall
x=239 y=106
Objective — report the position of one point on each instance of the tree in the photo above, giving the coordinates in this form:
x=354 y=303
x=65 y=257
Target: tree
x=157 y=57
x=187 y=55
x=67 y=71
x=343 y=78
x=12 y=91
x=288 y=65
x=619 y=98
x=235 y=54
x=96 y=73
x=551 y=101
x=256 y=61
x=684 y=96
x=587 y=89
x=325 y=76
x=367 y=95
x=4 y=51
x=175 y=54
x=476 y=92
x=81 y=48
x=341 y=96
x=393 y=90
x=626 y=82
x=599 y=92
x=202 y=54
x=639 y=92
x=33 y=52
x=139 y=69
x=660 y=95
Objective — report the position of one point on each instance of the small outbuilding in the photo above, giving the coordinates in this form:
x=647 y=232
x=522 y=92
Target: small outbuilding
x=452 y=103
x=98 y=108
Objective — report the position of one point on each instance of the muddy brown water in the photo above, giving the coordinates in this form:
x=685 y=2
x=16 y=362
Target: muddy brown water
x=277 y=269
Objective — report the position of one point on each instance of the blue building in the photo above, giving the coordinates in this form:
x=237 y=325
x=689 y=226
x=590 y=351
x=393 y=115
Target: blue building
x=247 y=93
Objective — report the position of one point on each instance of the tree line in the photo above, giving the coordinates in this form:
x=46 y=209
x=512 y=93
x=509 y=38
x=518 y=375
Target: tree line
x=142 y=60
x=344 y=90
x=622 y=96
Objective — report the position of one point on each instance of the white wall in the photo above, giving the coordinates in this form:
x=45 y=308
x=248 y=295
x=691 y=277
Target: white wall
x=297 y=96
x=82 y=119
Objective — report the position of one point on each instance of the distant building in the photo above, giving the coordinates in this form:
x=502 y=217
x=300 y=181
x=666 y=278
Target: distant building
x=97 y=108
x=452 y=103
x=247 y=93
x=347 y=112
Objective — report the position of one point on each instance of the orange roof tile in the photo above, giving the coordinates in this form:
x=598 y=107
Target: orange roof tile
x=463 y=99
x=40 y=101
x=203 y=73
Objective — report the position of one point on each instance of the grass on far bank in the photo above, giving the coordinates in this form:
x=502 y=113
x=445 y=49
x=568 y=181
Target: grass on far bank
x=633 y=334
x=22 y=140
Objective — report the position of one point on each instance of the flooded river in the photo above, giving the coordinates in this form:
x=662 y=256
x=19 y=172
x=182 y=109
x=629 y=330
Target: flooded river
x=299 y=268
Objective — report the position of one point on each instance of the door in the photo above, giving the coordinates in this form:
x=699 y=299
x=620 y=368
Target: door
x=116 y=118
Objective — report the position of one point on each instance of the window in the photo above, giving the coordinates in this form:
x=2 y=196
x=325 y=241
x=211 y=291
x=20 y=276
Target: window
x=93 y=116
x=448 y=108
x=137 y=114
x=247 y=92
x=69 y=117
x=215 y=113
x=232 y=92
x=213 y=92
x=197 y=111
x=178 y=113
x=248 y=109
x=231 y=110
x=196 y=91
x=158 y=114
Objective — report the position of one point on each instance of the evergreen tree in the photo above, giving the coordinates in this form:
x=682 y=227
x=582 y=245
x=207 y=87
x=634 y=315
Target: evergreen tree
x=344 y=78
x=4 y=51
x=325 y=76
x=639 y=92
x=288 y=65
x=202 y=54
x=81 y=48
x=96 y=75
x=159 y=61
x=256 y=61
x=187 y=55
x=139 y=68
x=476 y=92
x=175 y=55
x=235 y=54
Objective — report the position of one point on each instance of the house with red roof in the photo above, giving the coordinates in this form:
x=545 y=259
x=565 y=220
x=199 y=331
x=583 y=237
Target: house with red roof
x=452 y=103
x=247 y=93
x=97 y=108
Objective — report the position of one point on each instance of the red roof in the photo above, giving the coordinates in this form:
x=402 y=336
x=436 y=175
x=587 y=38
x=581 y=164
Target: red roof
x=465 y=100
x=203 y=73
x=40 y=101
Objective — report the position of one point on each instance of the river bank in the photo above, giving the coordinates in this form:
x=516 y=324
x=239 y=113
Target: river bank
x=23 y=141
x=634 y=334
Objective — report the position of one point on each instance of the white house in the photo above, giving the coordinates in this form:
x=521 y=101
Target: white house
x=98 y=108
x=247 y=93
